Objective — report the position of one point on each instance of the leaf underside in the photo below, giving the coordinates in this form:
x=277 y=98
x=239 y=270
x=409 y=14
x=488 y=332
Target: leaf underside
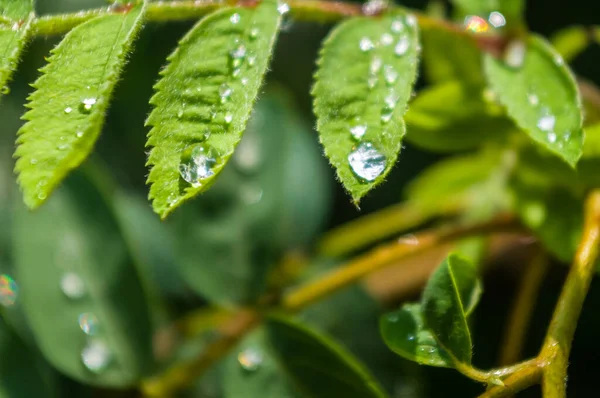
x=541 y=95
x=205 y=98
x=68 y=107
x=367 y=68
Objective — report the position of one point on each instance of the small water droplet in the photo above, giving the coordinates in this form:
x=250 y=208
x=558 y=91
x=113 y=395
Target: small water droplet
x=374 y=7
x=533 y=99
x=411 y=20
x=72 y=285
x=62 y=147
x=497 y=19
x=228 y=118
x=476 y=24
x=283 y=8
x=386 y=116
x=244 y=81
x=367 y=162
x=254 y=33
x=68 y=110
x=390 y=74
x=358 y=131
x=567 y=136
x=411 y=337
x=390 y=102
x=376 y=64
x=87 y=104
x=366 y=44
x=514 y=55
x=409 y=239
x=402 y=46
x=235 y=18
x=42 y=196
x=88 y=323
x=96 y=356
x=372 y=81
x=33 y=161
x=546 y=123
x=250 y=359
x=236 y=72
x=5 y=90
x=397 y=26
x=237 y=55
x=197 y=163
x=252 y=60
x=9 y=290
x=427 y=349
x=180 y=113
x=225 y=92
x=387 y=39
x=79 y=134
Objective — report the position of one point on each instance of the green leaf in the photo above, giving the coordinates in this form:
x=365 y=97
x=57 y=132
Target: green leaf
x=365 y=77
x=450 y=294
x=454 y=117
x=451 y=56
x=204 y=99
x=511 y=9
x=541 y=95
x=14 y=33
x=319 y=367
x=404 y=333
x=22 y=374
x=228 y=240
x=252 y=371
x=75 y=275
x=571 y=41
x=68 y=107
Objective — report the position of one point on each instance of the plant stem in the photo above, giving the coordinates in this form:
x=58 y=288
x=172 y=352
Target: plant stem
x=523 y=306
x=384 y=256
x=518 y=381
x=557 y=345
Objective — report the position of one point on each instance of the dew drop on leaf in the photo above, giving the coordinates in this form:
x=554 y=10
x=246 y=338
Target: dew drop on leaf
x=397 y=26
x=68 y=110
x=88 y=323
x=72 y=285
x=228 y=118
x=533 y=99
x=235 y=18
x=283 y=8
x=237 y=55
x=367 y=162
x=497 y=20
x=390 y=74
x=376 y=64
x=552 y=137
x=387 y=39
x=87 y=104
x=254 y=32
x=9 y=290
x=250 y=359
x=366 y=44
x=358 y=131
x=402 y=46
x=225 y=92
x=476 y=24
x=79 y=134
x=197 y=163
x=96 y=356
x=514 y=55
x=546 y=123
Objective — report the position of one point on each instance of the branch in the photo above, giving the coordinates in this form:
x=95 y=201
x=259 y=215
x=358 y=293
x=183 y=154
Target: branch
x=526 y=377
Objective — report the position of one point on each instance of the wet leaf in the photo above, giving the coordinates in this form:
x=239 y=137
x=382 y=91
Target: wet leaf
x=79 y=79
x=365 y=76
x=204 y=99
x=15 y=20
x=541 y=95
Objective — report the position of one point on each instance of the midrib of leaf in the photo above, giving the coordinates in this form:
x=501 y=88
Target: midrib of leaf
x=187 y=103
x=461 y=307
x=53 y=142
x=343 y=98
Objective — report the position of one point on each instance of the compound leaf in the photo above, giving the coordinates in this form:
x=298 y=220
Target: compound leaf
x=364 y=81
x=204 y=99
x=68 y=107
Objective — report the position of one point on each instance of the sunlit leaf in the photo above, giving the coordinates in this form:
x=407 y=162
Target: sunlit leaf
x=204 y=99
x=14 y=28
x=570 y=42
x=365 y=76
x=540 y=94
x=72 y=95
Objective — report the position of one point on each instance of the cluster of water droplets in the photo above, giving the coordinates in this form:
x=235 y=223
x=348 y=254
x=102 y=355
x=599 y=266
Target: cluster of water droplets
x=477 y=24
x=546 y=122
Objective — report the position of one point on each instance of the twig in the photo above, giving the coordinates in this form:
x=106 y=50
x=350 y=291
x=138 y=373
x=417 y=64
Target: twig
x=523 y=306
x=518 y=381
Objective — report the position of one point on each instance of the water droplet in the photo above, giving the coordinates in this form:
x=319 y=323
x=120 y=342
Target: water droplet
x=42 y=196
x=68 y=110
x=533 y=99
x=552 y=137
x=9 y=290
x=411 y=337
x=402 y=46
x=88 y=323
x=409 y=239
x=411 y=20
x=476 y=24
x=366 y=44
x=283 y=8
x=33 y=161
x=96 y=356
x=235 y=18
x=198 y=162
x=87 y=104
x=228 y=118
x=546 y=123
x=386 y=116
x=251 y=194
x=250 y=359
x=393 y=317
x=376 y=64
x=390 y=102
x=367 y=162
x=79 y=134
x=373 y=7
x=497 y=19
x=254 y=33
x=5 y=90
x=72 y=285
x=224 y=92
x=252 y=60
x=397 y=26
x=62 y=147
x=237 y=55
x=387 y=39
x=236 y=72
x=180 y=113
x=427 y=349
x=372 y=81
x=358 y=131
x=390 y=74
x=514 y=55
x=558 y=60
x=244 y=81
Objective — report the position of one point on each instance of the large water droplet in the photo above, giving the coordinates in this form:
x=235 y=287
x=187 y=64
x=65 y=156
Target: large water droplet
x=476 y=24
x=397 y=26
x=514 y=55
x=96 y=356
x=235 y=18
x=390 y=74
x=358 y=131
x=387 y=39
x=197 y=163
x=411 y=20
x=225 y=92
x=250 y=359
x=402 y=46
x=72 y=285
x=497 y=19
x=546 y=123
x=283 y=8
x=9 y=290
x=367 y=162
x=366 y=44
x=87 y=104
x=88 y=323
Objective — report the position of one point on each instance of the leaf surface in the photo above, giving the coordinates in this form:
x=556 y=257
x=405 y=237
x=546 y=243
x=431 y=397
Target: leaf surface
x=67 y=109
x=541 y=95
x=79 y=289
x=365 y=76
x=14 y=28
x=204 y=99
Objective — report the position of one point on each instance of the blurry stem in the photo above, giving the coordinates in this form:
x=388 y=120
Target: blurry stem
x=523 y=306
